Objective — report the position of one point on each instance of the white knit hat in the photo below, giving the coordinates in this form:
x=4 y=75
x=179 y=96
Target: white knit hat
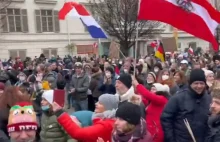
x=160 y=87
x=48 y=95
x=208 y=72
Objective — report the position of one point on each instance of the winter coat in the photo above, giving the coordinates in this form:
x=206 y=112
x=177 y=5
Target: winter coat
x=188 y=105
x=3 y=137
x=153 y=111
x=51 y=131
x=127 y=98
x=4 y=120
x=107 y=88
x=95 y=78
x=102 y=127
x=51 y=79
x=81 y=85
x=19 y=65
x=214 y=129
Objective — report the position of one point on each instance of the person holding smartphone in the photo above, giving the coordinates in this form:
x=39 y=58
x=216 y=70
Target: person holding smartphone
x=107 y=84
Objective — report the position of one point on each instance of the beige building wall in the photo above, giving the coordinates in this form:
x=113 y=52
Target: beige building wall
x=34 y=42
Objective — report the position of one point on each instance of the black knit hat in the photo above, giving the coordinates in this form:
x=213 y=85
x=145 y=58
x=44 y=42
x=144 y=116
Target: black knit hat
x=197 y=75
x=129 y=112
x=126 y=79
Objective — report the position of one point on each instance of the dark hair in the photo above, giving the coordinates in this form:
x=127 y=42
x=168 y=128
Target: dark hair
x=61 y=84
x=110 y=69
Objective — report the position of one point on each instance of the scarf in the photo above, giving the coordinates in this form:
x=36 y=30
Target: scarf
x=109 y=114
x=137 y=134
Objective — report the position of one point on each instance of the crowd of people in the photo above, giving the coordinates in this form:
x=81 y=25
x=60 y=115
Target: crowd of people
x=114 y=100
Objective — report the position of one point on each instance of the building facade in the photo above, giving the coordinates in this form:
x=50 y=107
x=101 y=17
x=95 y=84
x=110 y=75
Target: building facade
x=32 y=27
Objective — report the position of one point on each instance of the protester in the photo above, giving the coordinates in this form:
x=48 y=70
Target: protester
x=158 y=97
x=107 y=83
x=166 y=77
x=79 y=87
x=22 y=122
x=103 y=120
x=180 y=79
x=150 y=80
x=129 y=126
x=191 y=104
x=50 y=129
x=214 y=119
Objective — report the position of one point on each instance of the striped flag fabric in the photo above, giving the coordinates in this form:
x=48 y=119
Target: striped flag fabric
x=160 y=54
x=190 y=51
x=76 y=10
x=196 y=17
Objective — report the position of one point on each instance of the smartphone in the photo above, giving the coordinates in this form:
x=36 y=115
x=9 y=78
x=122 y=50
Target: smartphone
x=59 y=97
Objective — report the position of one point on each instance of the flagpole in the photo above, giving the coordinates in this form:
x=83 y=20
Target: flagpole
x=67 y=29
x=136 y=47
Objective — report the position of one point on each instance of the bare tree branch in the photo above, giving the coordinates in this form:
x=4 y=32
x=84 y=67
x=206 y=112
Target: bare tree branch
x=3 y=6
x=119 y=19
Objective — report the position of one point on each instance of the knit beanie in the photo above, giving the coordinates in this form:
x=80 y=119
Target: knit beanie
x=22 y=117
x=153 y=74
x=48 y=95
x=129 y=112
x=126 y=79
x=197 y=75
x=161 y=88
x=109 y=101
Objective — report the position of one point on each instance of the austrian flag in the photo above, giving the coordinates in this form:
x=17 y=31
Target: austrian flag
x=196 y=17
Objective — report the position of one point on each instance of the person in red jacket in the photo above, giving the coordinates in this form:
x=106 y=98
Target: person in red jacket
x=18 y=64
x=103 y=120
x=158 y=97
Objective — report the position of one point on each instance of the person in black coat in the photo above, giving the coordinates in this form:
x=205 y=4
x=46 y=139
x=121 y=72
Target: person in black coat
x=192 y=104
x=214 y=119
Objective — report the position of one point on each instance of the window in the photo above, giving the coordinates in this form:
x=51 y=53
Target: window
x=47 y=21
x=49 y=52
x=193 y=45
x=18 y=53
x=14 y=20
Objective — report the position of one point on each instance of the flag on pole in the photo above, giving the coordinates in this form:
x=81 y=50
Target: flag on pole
x=76 y=10
x=190 y=50
x=160 y=54
x=196 y=17
x=95 y=45
x=154 y=44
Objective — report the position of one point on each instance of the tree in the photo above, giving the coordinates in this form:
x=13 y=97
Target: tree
x=119 y=19
x=3 y=5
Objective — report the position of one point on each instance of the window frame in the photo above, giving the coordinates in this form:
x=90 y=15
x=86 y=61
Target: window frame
x=50 y=52
x=18 y=53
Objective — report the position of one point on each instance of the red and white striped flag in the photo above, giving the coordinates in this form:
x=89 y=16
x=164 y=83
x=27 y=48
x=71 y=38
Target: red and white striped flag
x=190 y=51
x=197 y=17
x=95 y=45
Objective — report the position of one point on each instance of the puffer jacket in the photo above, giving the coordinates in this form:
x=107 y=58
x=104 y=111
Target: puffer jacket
x=51 y=131
x=51 y=78
x=188 y=105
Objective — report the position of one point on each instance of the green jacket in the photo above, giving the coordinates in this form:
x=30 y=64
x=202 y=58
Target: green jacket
x=51 y=131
